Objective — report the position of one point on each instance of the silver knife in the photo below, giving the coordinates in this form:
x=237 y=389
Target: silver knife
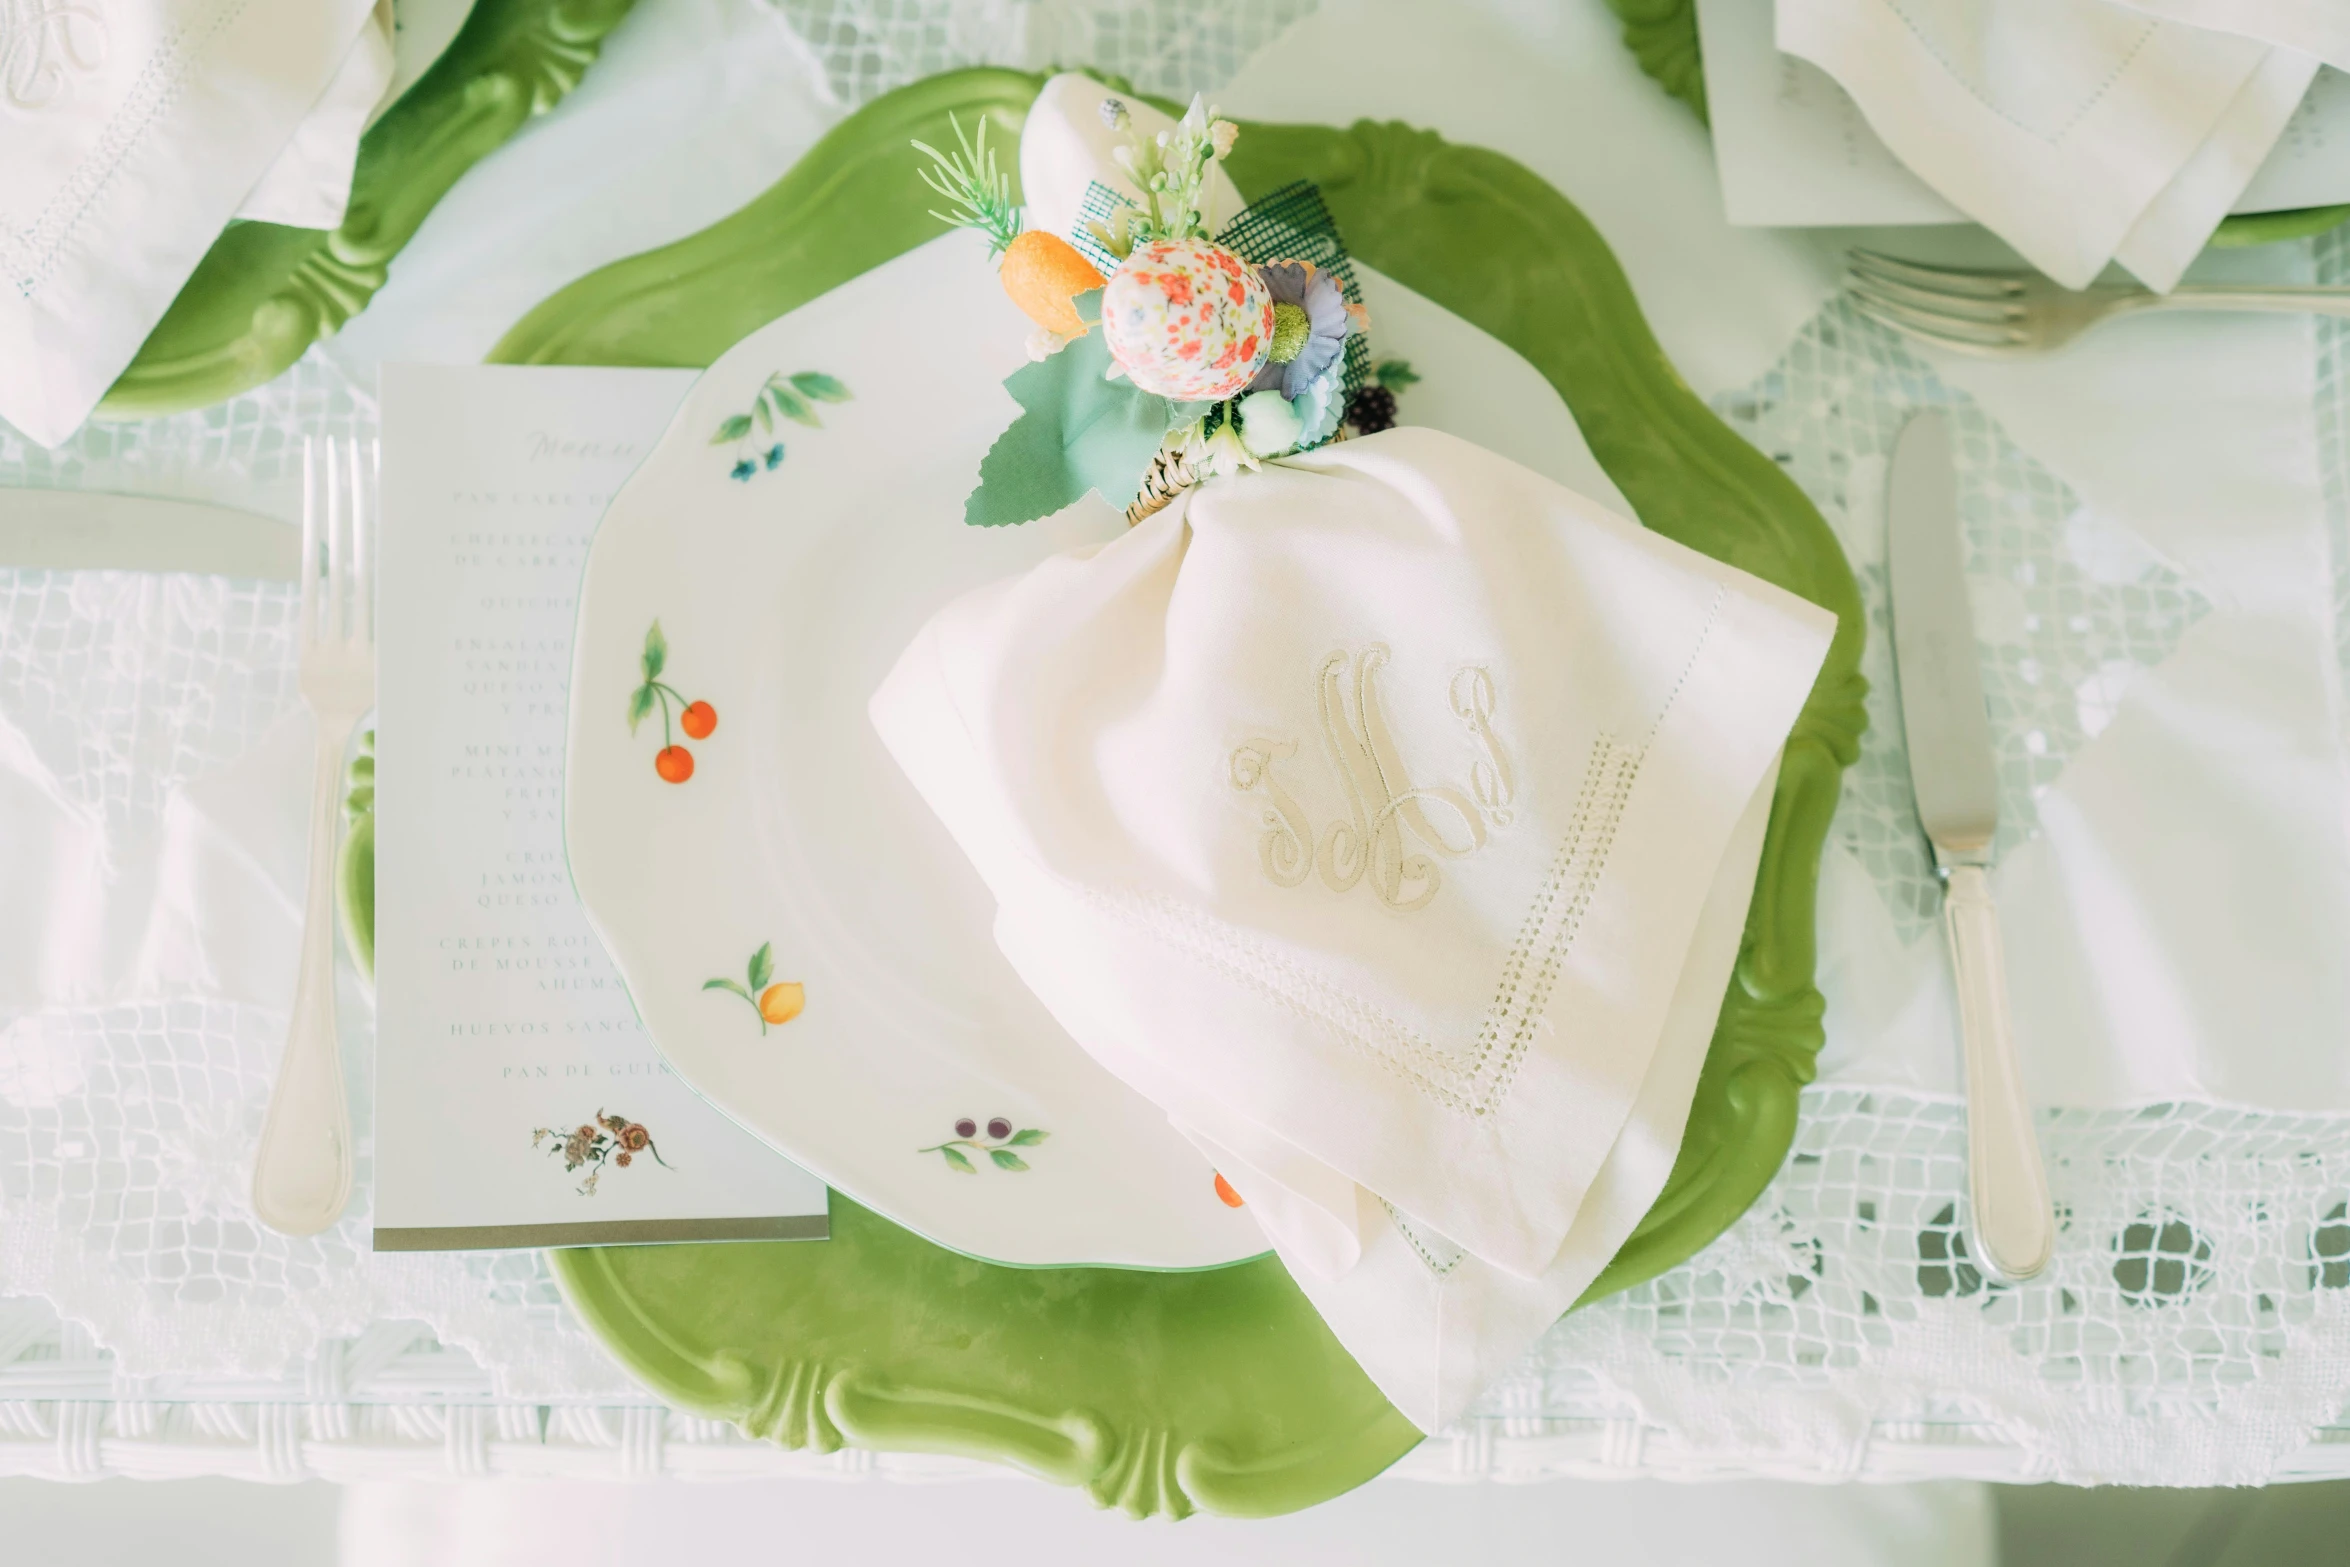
x=86 y=530
x=1957 y=786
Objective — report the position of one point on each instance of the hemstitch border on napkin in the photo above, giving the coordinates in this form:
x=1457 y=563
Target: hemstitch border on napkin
x=1476 y=1077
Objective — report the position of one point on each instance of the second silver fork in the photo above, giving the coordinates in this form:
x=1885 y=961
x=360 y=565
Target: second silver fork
x=2008 y=314
x=302 y=1174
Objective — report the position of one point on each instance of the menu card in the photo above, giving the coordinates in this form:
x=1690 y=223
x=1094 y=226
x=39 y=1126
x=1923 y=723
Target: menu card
x=1795 y=151
x=519 y=1101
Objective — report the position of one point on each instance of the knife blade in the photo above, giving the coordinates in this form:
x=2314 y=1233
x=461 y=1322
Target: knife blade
x=87 y=530
x=1954 y=774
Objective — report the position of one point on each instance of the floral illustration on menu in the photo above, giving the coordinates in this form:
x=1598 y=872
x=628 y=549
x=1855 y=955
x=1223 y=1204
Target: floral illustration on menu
x=776 y=1002
x=697 y=720
x=611 y=1141
x=755 y=435
x=998 y=1142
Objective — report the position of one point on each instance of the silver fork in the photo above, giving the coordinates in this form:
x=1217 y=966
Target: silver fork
x=302 y=1175
x=2008 y=314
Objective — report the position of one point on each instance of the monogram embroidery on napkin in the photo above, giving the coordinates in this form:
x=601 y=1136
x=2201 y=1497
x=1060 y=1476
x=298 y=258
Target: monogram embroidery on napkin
x=1471 y=1076
x=44 y=44
x=1385 y=810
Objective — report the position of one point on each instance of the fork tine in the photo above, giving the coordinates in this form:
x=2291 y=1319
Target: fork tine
x=310 y=519
x=1943 y=331
x=366 y=487
x=1941 y=280
x=1932 y=327
x=335 y=622
x=1984 y=320
x=1911 y=317
x=1965 y=307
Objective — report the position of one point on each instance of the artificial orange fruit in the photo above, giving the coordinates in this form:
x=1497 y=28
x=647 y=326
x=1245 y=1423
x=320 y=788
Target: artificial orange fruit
x=781 y=1003
x=1043 y=273
x=698 y=720
x=674 y=763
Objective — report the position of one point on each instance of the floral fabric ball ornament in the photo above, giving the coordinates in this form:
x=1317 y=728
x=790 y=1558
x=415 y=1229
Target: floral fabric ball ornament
x=1187 y=319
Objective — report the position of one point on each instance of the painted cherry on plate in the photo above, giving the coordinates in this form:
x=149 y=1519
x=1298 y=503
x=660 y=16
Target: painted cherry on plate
x=697 y=718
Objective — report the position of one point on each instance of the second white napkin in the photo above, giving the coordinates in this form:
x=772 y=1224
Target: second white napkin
x=2079 y=131
x=129 y=136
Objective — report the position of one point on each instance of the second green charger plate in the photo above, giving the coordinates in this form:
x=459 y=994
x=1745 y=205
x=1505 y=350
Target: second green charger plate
x=1158 y=1392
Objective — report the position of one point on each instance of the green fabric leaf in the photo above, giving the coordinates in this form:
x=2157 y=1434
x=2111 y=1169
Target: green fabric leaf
x=1029 y=1138
x=733 y=429
x=791 y=404
x=763 y=965
x=1005 y=1159
x=822 y=387
x=955 y=1158
x=726 y=984
x=1077 y=432
x=656 y=653
x=640 y=702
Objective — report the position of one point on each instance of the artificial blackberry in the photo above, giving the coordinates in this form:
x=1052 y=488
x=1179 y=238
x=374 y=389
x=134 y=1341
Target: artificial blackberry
x=1373 y=408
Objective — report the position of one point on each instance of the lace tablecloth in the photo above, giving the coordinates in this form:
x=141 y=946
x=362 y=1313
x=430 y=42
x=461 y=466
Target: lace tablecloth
x=2195 y=1327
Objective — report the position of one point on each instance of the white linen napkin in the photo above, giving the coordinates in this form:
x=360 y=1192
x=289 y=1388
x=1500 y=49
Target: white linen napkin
x=129 y=136
x=309 y=186
x=2080 y=131
x=1382 y=815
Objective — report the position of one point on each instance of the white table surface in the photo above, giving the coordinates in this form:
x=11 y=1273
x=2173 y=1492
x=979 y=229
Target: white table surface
x=1722 y=1369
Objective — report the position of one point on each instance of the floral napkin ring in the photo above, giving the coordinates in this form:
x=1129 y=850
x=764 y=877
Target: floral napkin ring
x=1213 y=355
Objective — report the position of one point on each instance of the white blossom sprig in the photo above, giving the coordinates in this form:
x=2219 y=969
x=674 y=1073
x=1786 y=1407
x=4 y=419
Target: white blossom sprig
x=1171 y=170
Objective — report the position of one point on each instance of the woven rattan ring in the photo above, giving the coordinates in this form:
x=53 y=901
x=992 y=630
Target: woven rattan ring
x=1169 y=475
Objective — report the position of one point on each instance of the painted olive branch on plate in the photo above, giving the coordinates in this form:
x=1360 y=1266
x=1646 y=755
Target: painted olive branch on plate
x=792 y=397
x=673 y=762
x=1001 y=1139
x=776 y=1003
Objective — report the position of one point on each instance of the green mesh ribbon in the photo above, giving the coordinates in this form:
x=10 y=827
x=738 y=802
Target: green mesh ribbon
x=1291 y=224
x=1100 y=205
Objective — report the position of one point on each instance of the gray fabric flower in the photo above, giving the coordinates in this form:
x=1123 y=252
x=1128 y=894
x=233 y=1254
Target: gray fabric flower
x=1317 y=293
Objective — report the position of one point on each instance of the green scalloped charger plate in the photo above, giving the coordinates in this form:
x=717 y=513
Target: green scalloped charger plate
x=265 y=291
x=1165 y=1392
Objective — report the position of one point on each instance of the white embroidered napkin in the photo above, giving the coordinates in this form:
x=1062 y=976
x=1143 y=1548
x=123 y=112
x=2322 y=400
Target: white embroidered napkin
x=2080 y=131
x=1367 y=813
x=129 y=136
